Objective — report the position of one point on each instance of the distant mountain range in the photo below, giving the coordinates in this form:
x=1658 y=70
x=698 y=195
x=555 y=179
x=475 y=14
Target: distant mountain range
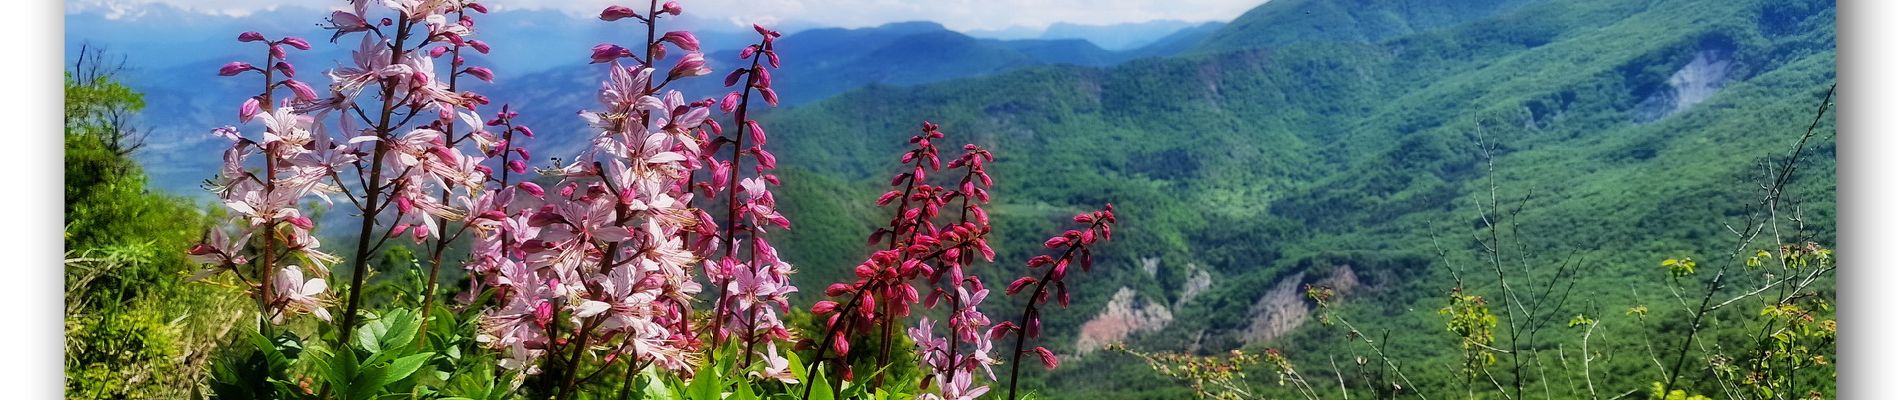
x=541 y=65
x=1126 y=36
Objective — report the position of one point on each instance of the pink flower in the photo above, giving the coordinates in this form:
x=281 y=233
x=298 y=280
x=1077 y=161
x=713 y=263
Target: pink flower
x=345 y=22
x=296 y=295
x=250 y=37
x=671 y=7
x=776 y=367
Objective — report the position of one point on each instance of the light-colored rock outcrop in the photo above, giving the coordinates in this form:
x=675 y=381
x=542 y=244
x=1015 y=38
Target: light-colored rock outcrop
x=1126 y=314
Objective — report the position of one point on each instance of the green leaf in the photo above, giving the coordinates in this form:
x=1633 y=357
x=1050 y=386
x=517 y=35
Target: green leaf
x=821 y=388
x=797 y=366
x=705 y=384
x=366 y=384
x=403 y=367
x=367 y=336
x=655 y=387
x=400 y=328
x=744 y=392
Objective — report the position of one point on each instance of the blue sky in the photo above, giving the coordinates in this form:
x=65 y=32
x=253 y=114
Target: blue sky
x=962 y=15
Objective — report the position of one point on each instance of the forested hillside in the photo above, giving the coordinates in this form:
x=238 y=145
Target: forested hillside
x=1619 y=133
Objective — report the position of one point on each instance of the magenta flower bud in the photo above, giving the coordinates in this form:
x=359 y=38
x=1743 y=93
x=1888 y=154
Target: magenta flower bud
x=303 y=91
x=671 y=7
x=762 y=31
x=1048 y=358
x=532 y=189
x=733 y=78
x=277 y=52
x=762 y=77
x=517 y=166
x=766 y=160
x=606 y=52
x=480 y=46
x=758 y=134
x=615 y=13
x=249 y=109
x=302 y=222
x=685 y=40
x=481 y=73
x=997 y=332
x=296 y=42
x=478 y=7
x=771 y=96
x=1017 y=286
x=525 y=131
x=772 y=57
x=824 y=307
x=748 y=51
x=247 y=37
x=543 y=314
x=438 y=52
x=234 y=68
x=694 y=64
x=285 y=68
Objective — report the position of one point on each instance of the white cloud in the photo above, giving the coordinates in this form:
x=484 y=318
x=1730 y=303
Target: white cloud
x=963 y=15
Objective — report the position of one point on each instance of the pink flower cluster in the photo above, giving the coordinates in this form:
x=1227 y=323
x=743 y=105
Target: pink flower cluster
x=596 y=257
x=754 y=282
x=409 y=155
x=298 y=159
x=1076 y=246
x=603 y=263
x=922 y=244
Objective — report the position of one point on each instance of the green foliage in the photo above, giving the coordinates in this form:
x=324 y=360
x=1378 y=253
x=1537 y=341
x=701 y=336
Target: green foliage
x=133 y=328
x=1656 y=393
x=1680 y=268
x=1471 y=321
